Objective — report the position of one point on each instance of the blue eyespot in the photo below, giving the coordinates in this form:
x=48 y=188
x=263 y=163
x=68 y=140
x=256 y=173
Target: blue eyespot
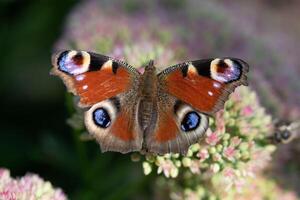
x=101 y=118
x=70 y=64
x=61 y=61
x=190 y=121
x=229 y=73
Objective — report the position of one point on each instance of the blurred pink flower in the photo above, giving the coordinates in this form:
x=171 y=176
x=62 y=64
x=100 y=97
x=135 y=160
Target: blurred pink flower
x=239 y=184
x=228 y=172
x=6 y=195
x=195 y=167
x=245 y=129
x=247 y=111
x=168 y=168
x=2 y=172
x=216 y=157
x=229 y=153
x=141 y=70
x=235 y=141
x=203 y=154
x=232 y=179
x=259 y=160
x=26 y=188
x=212 y=137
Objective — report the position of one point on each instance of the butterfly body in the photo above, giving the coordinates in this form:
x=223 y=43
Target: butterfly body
x=160 y=113
x=148 y=97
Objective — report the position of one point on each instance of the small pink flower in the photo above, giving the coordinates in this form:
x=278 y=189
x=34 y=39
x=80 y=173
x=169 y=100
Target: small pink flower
x=228 y=172
x=212 y=137
x=251 y=144
x=236 y=96
x=216 y=157
x=195 y=167
x=260 y=159
x=2 y=171
x=229 y=153
x=235 y=141
x=168 y=168
x=6 y=195
x=203 y=154
x=231 y=179
x=247 y=111
x=245 y=129
x=240 y=184
x=141 y=70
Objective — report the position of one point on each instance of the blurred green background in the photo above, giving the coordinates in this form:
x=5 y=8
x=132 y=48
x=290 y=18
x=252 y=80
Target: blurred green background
x=34 y=134
x=30 y=110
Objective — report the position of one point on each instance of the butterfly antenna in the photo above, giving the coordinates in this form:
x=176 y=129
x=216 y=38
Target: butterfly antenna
x=150 y=65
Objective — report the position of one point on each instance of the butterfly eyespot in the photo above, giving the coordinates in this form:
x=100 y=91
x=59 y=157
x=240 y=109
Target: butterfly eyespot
x=101 y=118
x=225 y=71
x=78 y=59
x=190 y=121
x=73 y=62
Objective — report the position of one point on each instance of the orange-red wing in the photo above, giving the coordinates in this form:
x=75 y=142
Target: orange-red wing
x=112 y=123
x=100 y=85
x=205 y=84
x=123 y=127
x=167 y=128
x=168 y=134
x=91 y=76
x=194 y=90
x=165 y=133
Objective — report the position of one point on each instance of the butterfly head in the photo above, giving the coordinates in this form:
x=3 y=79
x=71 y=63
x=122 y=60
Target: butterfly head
x=148 y=68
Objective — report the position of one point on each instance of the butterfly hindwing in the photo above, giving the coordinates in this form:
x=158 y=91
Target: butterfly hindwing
x=178 y=126
x=112 y=123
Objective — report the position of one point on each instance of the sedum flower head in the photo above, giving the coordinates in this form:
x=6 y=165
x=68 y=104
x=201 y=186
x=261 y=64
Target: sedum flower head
x=231 y=152
x=29 y=187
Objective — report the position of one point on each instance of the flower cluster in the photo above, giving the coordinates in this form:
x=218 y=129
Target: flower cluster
x=233 y=148
x=258 y=188
x=28 y=187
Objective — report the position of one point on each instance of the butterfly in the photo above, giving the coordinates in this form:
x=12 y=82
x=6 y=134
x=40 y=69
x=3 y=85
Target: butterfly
x=166 y=112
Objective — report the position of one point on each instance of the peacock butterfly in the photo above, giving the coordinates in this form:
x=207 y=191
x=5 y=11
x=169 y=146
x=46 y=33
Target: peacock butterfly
x=160 y=113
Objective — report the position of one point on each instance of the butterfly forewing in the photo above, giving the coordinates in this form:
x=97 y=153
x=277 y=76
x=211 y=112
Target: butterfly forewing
x=93 y=77
x=205 y=84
